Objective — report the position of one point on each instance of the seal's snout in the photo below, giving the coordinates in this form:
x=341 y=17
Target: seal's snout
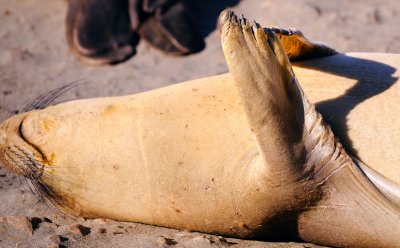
x=16 y=154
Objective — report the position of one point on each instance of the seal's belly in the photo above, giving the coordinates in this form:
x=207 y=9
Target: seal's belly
x=168 y=154
x=175 y=152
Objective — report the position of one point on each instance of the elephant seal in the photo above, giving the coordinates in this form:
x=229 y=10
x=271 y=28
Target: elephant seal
x=243 y=154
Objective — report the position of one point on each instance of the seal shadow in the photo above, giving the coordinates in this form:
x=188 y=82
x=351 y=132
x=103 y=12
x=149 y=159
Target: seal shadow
x=205 y=13
x=373 y=78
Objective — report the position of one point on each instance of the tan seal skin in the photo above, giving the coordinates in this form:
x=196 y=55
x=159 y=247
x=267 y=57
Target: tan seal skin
x=243 y=154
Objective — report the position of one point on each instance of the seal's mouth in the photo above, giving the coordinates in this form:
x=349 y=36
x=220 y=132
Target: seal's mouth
x=17 y=153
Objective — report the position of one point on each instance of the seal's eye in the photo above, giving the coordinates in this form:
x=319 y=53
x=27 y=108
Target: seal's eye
x=20 y=131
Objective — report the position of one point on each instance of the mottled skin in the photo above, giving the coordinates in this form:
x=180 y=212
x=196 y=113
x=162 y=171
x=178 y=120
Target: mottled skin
x=243 y=154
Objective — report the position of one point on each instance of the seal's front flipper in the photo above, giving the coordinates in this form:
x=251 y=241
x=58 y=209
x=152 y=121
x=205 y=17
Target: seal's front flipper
x=270 y=95
x=99 y=32
x=298 y=47
x=307 y=169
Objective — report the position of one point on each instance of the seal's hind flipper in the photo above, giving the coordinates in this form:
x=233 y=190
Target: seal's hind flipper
x=171 y=28
x=99 y=31
x=298 y=47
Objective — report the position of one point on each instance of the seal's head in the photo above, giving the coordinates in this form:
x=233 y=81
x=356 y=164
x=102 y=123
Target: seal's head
x=24 y=150
x=16 y=152
x=23 y=136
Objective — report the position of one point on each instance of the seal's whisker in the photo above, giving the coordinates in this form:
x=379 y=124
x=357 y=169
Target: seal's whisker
x=52 y=178
x=50 y=97
x=47 y=196
x=24 y=182
x=49 y=177
x=32 y=189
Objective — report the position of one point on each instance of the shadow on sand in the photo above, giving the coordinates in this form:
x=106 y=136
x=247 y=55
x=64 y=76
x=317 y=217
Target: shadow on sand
x=372 y=77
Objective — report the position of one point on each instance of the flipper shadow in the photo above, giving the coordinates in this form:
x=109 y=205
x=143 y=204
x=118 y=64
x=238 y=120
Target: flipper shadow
x=372 y=77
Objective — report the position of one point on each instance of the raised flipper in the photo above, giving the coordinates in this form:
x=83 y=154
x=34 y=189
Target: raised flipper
x=99 y=31
x=298 y=47
x=335 y=203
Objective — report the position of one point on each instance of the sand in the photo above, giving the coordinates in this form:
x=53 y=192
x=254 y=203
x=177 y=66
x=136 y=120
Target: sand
x=34 y=58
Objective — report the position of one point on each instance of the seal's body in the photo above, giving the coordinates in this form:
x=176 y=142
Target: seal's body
x=224 y=155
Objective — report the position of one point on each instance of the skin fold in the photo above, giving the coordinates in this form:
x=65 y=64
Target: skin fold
x=244 y=154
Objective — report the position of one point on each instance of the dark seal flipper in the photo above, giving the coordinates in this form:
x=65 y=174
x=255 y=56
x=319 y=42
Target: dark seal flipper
x=171 y=28
x=99 y=31
x=153 y=34
x=136 y=14
x=333 y=201
x=151 y=6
